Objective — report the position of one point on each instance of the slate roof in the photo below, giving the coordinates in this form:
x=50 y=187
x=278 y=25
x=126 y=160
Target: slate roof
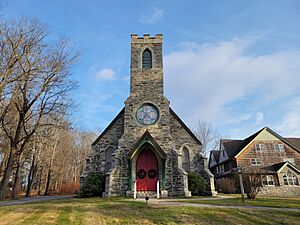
x=294 y=141
x=215 y=154
x=274 y=168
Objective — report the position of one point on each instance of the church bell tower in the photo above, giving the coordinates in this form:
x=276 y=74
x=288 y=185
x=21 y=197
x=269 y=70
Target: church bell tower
x=146 y=66
x=147 y=148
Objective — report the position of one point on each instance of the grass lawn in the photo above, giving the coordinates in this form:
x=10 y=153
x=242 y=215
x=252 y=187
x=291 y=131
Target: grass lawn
x=121 y=211
x=293 y=202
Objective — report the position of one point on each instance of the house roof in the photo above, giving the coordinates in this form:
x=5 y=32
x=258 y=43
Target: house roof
x=215 y=154
x=234 y=147
x=231 y=146
x=294 y=141
x=274 y=168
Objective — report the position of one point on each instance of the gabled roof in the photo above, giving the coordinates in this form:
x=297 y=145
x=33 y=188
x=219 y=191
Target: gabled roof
x=236 y=147
x=185 y=127
x=277 y=167
x=215 y=154
x=294 y=141
x=249 y=139
x=231 y=146
x=147 y=138
x=109 y=126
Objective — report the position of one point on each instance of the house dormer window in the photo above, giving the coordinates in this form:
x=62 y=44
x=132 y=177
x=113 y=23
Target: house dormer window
x=147 y=59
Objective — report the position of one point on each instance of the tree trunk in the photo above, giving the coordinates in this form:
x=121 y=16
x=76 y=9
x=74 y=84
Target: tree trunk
x=7 y=173
x=15 y=188
x=31 y=175
x=48 y=180
x=40 y=181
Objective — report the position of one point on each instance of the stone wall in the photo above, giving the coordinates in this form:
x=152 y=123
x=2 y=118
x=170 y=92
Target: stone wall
x=109 y=138
x=198 y=162
x=146 y=86
x=280 y=191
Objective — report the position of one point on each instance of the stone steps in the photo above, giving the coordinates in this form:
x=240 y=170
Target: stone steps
x=143 y=194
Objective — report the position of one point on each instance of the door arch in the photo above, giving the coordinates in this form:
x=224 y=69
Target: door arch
x=146 y=170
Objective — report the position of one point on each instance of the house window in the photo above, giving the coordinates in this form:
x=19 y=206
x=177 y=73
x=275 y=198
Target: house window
x=260 y=147
x=186 y=159
x=255 y=161
x=108 y=159
x=279 y=147
x=217 y=169
x=268 y=180
x=290 y=179
x=147 y=59
x=221 y=168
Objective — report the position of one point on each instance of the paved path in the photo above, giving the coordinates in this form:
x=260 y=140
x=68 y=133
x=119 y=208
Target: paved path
x=33 y=199
x=176 y=202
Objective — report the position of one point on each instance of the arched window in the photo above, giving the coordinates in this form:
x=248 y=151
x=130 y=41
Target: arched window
x=186 y=159
x=147 y=59
x=108 y=158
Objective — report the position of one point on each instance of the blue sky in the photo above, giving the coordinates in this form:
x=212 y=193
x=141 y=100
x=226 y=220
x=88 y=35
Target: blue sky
x=235 y=64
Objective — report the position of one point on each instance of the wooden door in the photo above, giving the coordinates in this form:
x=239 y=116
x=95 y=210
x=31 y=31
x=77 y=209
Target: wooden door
x=146 y=171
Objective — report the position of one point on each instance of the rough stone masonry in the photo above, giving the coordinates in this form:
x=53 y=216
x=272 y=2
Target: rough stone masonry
x=147 y=122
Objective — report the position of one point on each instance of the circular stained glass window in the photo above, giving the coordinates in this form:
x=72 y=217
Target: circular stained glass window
x=147 y=114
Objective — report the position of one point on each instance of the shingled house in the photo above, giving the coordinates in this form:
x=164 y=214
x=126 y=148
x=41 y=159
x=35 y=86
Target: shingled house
x=147 y=148
x=276 y=158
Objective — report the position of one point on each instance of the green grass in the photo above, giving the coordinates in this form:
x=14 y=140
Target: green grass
x=293 y=202
x=122 y=211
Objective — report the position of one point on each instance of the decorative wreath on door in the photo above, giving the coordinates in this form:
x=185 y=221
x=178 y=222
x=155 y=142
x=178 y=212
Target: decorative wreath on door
x=141 y=174
x=152 y=173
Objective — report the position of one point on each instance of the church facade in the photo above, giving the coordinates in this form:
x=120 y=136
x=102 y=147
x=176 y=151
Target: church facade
x=147 y=146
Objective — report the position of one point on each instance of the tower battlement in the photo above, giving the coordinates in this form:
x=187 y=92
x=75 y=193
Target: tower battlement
x=146 y=38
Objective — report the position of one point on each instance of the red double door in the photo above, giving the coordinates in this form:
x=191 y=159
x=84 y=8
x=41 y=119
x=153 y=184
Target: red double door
x=146 y=171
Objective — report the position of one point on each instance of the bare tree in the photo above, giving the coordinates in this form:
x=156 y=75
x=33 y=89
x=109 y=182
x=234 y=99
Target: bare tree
x=252 y=182
x=208 y=136
x=36 y=85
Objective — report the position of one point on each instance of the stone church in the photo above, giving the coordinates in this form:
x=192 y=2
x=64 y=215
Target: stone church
x=147 y=148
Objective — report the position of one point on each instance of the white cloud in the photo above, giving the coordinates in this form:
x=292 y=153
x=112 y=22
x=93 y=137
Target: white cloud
x=259 y=118
x=203 y=80
x=106 y=74
x=153 y=16
x=290 y=124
